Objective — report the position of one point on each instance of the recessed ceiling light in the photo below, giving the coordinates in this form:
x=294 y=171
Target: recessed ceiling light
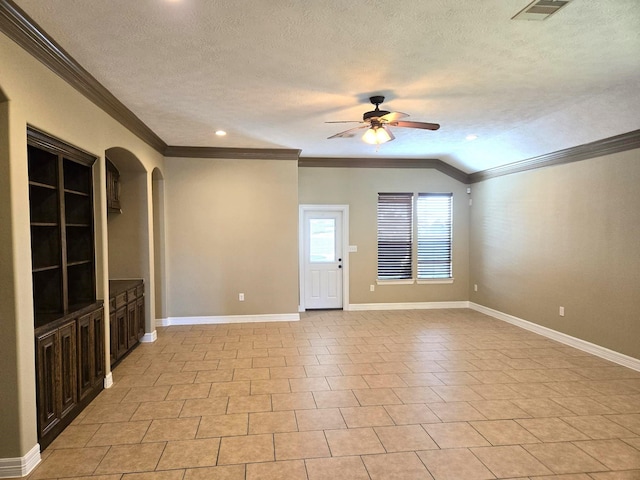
x=221 y=133
x=471 y=137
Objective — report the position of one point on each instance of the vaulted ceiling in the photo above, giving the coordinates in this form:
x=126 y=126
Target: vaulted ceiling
x=271 y=73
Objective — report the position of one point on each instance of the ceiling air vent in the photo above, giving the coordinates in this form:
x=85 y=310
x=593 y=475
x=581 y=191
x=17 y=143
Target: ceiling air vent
x=540 y=9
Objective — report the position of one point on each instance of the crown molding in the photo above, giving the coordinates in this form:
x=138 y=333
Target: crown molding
x=47 y=142
x=599 y=148
x=434 y=163
x=20 y=28
x=232 y=153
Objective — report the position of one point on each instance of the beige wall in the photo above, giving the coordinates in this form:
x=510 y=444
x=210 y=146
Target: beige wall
x=231 y=227
x=128 y=235
x=563 y=236
x=11 y=333
x=359 y=188
x=39 y=98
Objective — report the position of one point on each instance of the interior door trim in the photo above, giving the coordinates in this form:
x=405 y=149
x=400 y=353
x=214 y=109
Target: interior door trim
x=345 y=250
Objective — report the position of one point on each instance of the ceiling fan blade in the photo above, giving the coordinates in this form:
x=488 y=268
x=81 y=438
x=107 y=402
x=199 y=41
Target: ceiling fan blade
x=393 y=137
x=348 y=133
x=422 y=125
x=346 y=121
x=393 y=116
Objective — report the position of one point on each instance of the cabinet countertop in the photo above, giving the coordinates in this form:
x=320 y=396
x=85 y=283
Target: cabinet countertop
x=46 y=322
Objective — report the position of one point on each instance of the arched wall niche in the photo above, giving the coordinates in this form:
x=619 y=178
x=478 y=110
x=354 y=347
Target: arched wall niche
x=129 y=251
x=125 y=160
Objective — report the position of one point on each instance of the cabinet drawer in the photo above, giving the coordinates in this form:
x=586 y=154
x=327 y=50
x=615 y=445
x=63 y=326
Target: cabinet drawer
x=131 y=294
x=121 y=299
x=139 y=291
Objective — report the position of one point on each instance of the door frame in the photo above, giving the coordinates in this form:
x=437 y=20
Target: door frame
x=345 y=250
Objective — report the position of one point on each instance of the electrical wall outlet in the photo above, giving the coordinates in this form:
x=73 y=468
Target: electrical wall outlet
x=372 y=288
x=561 y=311
x=475 y=287
x=241 y=297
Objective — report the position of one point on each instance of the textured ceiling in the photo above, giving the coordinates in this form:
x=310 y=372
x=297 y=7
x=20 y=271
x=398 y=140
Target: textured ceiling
x=271 y=73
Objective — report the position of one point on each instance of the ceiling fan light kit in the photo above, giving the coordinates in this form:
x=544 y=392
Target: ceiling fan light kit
x=376 y=136
x=376 y=121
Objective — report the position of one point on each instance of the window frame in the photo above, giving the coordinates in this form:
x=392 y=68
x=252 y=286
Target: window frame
x=434 y=233
x=395 y=237
x=414 y=278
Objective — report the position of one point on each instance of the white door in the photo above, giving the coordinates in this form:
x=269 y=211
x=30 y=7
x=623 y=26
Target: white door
x=323 y=259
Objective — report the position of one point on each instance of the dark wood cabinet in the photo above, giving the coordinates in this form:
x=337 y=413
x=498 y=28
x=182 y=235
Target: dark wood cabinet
x=132 y=320
x=121 y=332
x=68 y=321
x=98 y=349
x=48 y=355
x=61 y=216
x=113 y=188
x=126 y=298
x=90 y=352
x=140 y=312
x=113 y=338
x=69 y=368
x=68 y=392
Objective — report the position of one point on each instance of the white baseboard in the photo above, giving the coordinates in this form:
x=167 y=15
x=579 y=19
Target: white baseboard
x=408 y=306
x=602 y=352
x=150 y=337
x=108 y=380
x=20 y=466
x=213 y=320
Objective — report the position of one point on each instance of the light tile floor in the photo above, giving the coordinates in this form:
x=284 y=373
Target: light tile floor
x=436 y=394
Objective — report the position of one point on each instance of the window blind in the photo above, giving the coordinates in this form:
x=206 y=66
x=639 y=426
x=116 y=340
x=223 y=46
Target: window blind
x=395 y=234
x=434 y=212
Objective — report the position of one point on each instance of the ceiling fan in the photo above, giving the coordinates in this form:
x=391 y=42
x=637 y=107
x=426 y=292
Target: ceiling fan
x=377 y=122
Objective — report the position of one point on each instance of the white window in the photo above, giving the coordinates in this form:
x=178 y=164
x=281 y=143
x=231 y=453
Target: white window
x=430 y=230
x=322 y=243
x=395 y=236
x=434 y=214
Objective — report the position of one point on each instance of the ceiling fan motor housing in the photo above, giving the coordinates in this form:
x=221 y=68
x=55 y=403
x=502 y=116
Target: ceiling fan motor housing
x=377 y=113
x=373 y=114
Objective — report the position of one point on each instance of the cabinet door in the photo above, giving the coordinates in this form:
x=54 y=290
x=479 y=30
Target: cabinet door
x=123 y=331
x=67 y=366
x=47 y=360
x=98 y=347
x=132 y=318
x=113 y=187
x=141 y=318
x=113 y=337
x=86 y=354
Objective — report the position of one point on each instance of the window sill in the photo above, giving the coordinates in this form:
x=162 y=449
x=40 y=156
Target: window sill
x=407 y=281
x=434 y=281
